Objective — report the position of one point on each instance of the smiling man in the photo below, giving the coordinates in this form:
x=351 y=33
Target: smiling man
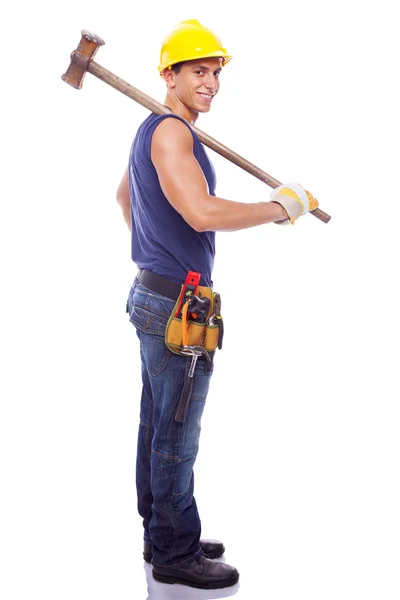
x=194 y=90
x=168 y=199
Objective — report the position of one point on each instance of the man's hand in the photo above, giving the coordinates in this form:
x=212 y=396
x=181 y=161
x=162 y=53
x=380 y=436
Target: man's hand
x=295 y=200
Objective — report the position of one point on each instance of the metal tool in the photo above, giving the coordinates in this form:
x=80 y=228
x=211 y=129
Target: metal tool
x=198 y=308
x=195 y=352
x=82 y=62
x=216 y=318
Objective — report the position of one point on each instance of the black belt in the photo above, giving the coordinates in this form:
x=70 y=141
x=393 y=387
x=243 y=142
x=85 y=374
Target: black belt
x=160 y=285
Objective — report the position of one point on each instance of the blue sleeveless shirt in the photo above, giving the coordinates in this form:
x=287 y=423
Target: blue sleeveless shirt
x=162 y=241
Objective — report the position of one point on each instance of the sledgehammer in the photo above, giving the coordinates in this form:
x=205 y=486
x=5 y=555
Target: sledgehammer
x=82 y=61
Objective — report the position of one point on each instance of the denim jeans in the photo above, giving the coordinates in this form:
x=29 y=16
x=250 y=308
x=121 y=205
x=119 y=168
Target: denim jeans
x=167 y=449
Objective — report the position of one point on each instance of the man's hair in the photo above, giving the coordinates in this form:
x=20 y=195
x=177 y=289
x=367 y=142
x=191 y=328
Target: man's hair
x=178 y=66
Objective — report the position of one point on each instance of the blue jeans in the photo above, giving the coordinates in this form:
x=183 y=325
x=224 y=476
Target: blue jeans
x=167 y=449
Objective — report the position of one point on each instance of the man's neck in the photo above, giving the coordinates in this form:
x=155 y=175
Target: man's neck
x=181 y=110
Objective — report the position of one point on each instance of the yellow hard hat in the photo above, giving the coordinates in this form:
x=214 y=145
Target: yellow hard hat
x=189 y=40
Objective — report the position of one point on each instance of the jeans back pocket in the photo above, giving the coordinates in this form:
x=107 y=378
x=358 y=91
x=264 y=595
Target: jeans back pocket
x=149 y=312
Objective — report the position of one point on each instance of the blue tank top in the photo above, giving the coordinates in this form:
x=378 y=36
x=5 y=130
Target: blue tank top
x=162 y=241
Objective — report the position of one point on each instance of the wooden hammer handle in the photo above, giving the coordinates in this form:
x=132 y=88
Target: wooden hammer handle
x=160 y=109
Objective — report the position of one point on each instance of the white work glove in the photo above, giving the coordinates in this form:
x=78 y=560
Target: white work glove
x=295 y=200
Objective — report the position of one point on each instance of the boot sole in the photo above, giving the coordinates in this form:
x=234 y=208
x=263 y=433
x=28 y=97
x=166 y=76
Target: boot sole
x=212 y=585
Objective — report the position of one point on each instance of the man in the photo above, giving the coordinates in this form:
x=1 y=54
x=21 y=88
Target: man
x=167 y=195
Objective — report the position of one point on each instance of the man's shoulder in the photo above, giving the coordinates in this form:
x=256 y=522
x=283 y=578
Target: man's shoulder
x=153 y=120
x=172 y=132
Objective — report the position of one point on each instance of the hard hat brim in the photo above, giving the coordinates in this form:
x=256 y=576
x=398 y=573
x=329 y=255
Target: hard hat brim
x=217 y=54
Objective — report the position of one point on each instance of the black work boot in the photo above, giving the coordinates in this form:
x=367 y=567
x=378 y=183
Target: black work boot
x=204 y=573
x=211 y=549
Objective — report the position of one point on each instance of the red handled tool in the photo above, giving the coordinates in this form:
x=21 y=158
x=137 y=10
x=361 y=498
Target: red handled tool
x=189 y=289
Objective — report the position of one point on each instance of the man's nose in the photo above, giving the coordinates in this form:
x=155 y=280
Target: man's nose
x=212 y=83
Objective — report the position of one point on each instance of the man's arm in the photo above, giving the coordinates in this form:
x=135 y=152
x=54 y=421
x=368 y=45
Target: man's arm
x=185 y=186
x=124 y=200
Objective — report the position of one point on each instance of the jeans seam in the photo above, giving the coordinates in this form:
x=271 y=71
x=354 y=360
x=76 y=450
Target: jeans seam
x=148 y=428
x=173 y=458
x=184 y=428
x=145 y=327
x=174 y=514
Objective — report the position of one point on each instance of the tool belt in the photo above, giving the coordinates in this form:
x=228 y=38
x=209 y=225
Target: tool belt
x=196 y=318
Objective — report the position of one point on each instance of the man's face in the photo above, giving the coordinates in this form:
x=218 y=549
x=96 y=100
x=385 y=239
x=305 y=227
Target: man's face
x=198 y=82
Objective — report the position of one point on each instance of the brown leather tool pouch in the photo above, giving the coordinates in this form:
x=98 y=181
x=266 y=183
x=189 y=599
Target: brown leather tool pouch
x=199 y=334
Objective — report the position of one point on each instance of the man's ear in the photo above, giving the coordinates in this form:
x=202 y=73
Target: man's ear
x=169 y=77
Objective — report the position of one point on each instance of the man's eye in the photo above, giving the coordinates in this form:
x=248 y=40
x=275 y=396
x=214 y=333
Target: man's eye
x=217 y=74
x=199 y=72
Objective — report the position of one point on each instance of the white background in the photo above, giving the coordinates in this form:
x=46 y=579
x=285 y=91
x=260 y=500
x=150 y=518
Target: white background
x=298 y=471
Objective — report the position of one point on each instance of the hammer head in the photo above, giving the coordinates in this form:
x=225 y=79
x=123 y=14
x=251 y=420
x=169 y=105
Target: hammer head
x=195 y=351
x=80 y=59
